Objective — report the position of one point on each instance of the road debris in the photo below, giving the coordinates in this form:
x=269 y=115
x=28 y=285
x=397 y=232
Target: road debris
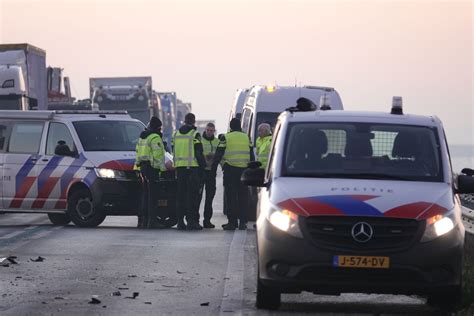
x=94 y=300
x=117 y=293
x=149 y=303
x=149 y=281
x=205 y=304
x=132 y=276
x=134 y=295
x=180 y=272
x=39 y=259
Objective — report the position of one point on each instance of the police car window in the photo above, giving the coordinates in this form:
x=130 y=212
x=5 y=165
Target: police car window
x=246 y=120
x=362 y=151
x=59 y=135
x=108 y=135
x=25 y=137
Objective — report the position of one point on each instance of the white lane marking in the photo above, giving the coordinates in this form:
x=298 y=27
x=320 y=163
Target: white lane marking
x=13 y=234
x=234 y=277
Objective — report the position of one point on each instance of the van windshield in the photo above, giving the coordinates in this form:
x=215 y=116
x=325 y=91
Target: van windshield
x=362 y=151
x=108 y=135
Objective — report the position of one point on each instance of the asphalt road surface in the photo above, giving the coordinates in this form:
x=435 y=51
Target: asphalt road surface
x=127 y=271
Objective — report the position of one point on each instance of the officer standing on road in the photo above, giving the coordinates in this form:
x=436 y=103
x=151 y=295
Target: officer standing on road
x=237 y=152
x=264 y=142
x=209 y=145
x=150 y=160
x=190 y=164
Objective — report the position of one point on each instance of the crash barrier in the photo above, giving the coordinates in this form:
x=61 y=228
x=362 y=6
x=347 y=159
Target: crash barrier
x=467 y=200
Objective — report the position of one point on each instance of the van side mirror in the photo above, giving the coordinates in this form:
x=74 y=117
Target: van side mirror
x=254 y=177
x=466 y=181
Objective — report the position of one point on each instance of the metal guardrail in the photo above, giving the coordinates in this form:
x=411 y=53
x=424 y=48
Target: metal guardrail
x=468 y=212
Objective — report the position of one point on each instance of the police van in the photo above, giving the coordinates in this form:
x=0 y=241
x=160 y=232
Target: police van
x=73 y=165
x=359 y=202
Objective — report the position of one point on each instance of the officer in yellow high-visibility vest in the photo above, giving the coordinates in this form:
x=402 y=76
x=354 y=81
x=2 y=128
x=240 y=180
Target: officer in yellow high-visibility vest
x=150 y=160
x=263 y=143
x=237 y=152
x=209 y=145
x=190 y=164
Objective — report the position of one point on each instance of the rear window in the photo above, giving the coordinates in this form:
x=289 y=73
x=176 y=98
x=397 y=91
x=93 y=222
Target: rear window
x=108 y=135
x=362 y=151
x=25 y=137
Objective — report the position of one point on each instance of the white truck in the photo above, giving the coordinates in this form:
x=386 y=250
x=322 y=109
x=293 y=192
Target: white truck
x=133 y=94
x=22 y=77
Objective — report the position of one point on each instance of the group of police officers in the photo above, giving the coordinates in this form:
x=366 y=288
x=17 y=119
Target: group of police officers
x=196 y=160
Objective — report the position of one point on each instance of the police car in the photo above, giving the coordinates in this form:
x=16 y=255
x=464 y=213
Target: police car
x=72 y=165
x=359 y=202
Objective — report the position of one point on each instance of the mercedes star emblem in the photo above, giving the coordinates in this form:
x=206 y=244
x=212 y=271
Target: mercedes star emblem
x=362 y=232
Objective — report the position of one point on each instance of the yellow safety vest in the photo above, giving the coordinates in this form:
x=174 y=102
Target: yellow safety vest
x=237 y=149
x=263 y=149
x=183 y=149
x=150 y=149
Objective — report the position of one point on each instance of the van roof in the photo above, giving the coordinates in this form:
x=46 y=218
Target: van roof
x=73 y=114
x=360 y=116
x=278 y=98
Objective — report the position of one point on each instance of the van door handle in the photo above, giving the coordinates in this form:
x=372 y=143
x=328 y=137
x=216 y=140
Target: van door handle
x=45 y=159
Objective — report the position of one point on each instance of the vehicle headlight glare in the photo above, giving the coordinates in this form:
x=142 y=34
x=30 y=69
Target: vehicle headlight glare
x=286 y=221
x=109 y=173
x=443 y=226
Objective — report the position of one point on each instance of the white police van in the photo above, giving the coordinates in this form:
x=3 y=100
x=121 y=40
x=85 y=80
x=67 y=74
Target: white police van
x=359 y=202
x=73 y=165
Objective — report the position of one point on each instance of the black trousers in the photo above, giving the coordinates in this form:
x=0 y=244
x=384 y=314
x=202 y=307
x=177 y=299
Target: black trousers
x=149 y=180
x=188 y=195
x=209 y=184
x=236 y=195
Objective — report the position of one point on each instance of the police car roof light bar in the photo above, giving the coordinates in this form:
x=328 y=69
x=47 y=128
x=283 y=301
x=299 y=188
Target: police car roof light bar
x=27 y=115
x=325 y=103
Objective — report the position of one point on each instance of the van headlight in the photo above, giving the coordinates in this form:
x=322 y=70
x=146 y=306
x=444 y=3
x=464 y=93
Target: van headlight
x=105 y=173
x=286 y=221
x=440 y=225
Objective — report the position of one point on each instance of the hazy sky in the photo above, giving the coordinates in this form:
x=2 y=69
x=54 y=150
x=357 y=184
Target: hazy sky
x=205 y=50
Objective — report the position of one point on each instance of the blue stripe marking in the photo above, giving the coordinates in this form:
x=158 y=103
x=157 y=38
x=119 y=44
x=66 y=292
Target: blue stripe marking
x=90 y=178
x=24 y=171
x=71 y=171
x=335 y=261
x=48 y=170
x=349 y=205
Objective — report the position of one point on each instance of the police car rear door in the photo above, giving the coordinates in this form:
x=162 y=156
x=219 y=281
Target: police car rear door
x=20 y=164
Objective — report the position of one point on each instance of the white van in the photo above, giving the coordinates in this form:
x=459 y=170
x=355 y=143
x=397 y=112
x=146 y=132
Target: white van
x=359 y=202
x=238 y=104
x=73 y=165
x=265 y=103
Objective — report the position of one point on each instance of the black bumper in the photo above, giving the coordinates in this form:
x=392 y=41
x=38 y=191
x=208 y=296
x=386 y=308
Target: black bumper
x=292 y=265
x=116 y=197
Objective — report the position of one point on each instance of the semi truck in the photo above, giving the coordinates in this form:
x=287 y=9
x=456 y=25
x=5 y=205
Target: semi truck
x=168 y=101
x=23 y=77
x=133 y=94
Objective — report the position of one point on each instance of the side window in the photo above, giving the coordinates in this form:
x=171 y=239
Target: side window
x=25 y=137
x=5 y=129
x=271 y=157
x=59 y=141
x=246 y=120
x=132 y=133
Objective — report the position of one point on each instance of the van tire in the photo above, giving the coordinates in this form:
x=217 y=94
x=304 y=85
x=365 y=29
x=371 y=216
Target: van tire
x=447 y=301
x=59 y=219
x=81 y=210
x=267 y=298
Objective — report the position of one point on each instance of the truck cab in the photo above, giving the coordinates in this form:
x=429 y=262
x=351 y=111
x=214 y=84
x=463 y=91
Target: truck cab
x=13 y=94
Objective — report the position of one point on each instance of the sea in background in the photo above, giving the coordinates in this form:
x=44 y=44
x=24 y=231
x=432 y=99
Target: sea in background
x=462 y=156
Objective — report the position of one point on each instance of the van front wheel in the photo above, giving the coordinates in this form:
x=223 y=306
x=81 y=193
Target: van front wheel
x=81 y=210
x=59 y=219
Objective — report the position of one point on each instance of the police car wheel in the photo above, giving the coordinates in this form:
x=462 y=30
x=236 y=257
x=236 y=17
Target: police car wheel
x=81 y=210
x=59 y=219
x=267 y=298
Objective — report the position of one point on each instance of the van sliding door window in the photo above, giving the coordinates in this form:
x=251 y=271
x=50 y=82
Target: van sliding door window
x=5 y=129
x=25 y=137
